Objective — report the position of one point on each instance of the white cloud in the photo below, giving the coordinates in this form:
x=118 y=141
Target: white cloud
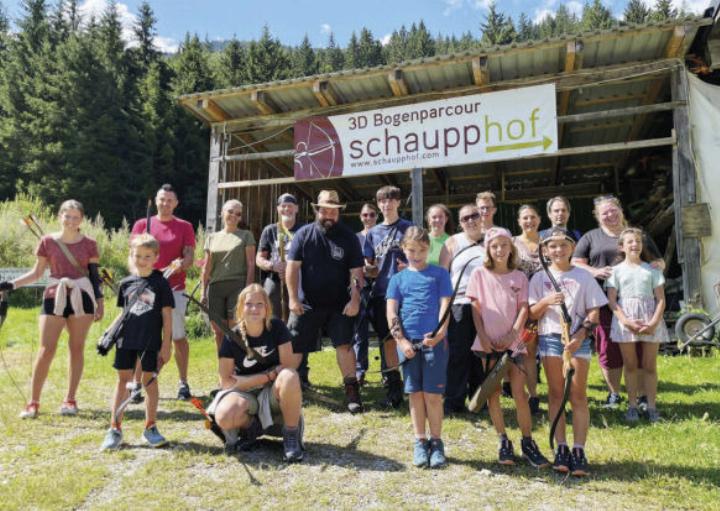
x=574 y=7
x=541 y=14
x=451 y=5
x=385 y=39
x=325 y=29
x=96 y=8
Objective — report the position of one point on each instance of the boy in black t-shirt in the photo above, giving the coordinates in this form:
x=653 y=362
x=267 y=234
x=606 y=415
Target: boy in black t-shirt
x=145 y=334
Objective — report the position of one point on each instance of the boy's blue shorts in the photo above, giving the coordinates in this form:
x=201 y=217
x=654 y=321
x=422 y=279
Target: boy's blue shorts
x=551 y=346
x=427 y=370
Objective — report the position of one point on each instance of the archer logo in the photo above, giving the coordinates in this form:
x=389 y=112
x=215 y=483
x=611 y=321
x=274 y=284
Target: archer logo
x=318 y=152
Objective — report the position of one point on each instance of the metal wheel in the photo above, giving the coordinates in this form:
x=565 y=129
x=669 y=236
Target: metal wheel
x=689 y=325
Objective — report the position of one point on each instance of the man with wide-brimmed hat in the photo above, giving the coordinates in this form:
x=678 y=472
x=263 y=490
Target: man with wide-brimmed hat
x=324 y=259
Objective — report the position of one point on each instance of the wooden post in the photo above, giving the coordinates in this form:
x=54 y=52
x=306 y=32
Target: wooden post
x=416 y=177
x=684 y=193
x=216 y=150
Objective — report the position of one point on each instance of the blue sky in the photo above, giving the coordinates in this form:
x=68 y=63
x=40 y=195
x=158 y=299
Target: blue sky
x=290 y=20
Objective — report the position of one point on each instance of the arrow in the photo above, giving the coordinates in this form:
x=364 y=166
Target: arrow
x=544 y=143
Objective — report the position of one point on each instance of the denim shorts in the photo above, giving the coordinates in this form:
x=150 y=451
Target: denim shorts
x=427 y=370
x=551 y=346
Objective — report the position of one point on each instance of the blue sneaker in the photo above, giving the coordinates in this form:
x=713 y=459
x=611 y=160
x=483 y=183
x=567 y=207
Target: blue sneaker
x=421 y=453
x=112 y=441
x=153 y=437
x=437 y=453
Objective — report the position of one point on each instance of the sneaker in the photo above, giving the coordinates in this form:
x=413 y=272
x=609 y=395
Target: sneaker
x=137 y=396
x=506 y=389
x=112 y=441
x=394 y=385
x=653 y=415
x=30 y=411
x=579 y=462
x=534 y=404
x=292 y=443
x=437 y=453
x=632 y=414
x=532 y=453
x=184 y=391
x=153 y=437
x=563 y=459
x=642 y=404
x=352 y=395
x=248 y=436
x=613 y=401
x=421 y=453
x=506 y=453
x=231 y=440
x=69 y=407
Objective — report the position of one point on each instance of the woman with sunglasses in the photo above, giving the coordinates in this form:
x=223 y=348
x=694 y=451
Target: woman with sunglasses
x=462 y=253
x=229 y=265
x=597 y=251
x=439 y=222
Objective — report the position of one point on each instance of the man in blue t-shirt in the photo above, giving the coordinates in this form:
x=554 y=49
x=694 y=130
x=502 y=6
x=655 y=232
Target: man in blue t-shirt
x=324 y=258
x=383 y=259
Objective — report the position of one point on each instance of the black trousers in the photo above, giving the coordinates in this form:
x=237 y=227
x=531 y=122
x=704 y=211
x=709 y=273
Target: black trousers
x=464 y=369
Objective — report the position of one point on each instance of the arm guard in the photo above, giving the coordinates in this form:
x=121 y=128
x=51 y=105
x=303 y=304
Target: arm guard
x=94 y=276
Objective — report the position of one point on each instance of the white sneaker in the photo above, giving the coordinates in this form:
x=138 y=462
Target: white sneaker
x=30 y=411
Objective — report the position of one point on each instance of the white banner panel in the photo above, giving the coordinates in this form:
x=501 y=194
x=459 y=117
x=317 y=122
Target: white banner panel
x=468 y=129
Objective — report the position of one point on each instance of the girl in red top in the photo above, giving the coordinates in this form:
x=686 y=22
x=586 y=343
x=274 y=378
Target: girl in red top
x=71 y=300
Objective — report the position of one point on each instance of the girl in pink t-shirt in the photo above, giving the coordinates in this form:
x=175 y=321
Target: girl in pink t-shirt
x=72 y=300
x=499 y=294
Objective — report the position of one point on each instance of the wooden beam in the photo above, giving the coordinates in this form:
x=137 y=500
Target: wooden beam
x=324 y=94
x=480 y=71
x=675 y=44
x=619 y=112
x=684 y=193
x=263 y=102
x=545 y=192
x=213 y=111
x=582 y=103
x=573 y=61
x=588 y=79
x=416 y=177
x=397 y=83
x=217 y=139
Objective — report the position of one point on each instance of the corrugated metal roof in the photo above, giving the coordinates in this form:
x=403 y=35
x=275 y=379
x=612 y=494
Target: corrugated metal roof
x=618 y=45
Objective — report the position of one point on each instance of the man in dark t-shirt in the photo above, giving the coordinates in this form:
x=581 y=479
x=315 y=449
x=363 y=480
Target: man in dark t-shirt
x=323 y=257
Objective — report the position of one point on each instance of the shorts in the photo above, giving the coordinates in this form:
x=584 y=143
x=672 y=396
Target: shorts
x=222 y=298
x=305 y=330
x=608 y=352
x=427 y=370
x=178 y=315
x=48 y=306
x=126 y=359
x=551 y=346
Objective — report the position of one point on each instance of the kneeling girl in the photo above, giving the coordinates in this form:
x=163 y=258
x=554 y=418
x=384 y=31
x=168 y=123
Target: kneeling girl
x=260 y=386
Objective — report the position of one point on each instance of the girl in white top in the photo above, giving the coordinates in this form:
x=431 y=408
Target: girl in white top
x=637 y=298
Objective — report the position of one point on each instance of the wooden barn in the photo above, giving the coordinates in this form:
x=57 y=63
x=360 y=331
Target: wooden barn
x=622 y=128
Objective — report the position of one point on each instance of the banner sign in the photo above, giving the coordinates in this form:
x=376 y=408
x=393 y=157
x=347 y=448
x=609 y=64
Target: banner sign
x=468 y=129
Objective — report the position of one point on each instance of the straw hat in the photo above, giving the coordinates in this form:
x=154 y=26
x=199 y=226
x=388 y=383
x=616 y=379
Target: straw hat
x=329 y=199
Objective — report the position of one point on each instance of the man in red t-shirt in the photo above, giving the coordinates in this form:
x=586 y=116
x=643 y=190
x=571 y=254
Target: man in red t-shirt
x=177 y=245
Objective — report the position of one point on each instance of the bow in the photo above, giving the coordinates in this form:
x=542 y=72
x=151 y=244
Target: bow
x=148 y=216
x=303 y=151
x=568 y=369
x=3 y=315
x=281 y=239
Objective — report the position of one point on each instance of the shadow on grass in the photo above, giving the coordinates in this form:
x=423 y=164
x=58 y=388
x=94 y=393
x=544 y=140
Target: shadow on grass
x=373 y=397
x=268 y=452
x=669 y=386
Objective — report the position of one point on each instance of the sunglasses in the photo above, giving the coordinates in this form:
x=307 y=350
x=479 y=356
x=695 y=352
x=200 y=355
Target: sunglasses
x=367 y=215
x=467 y=218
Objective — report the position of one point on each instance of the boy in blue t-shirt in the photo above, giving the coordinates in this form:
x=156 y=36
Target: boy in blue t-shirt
x=417 y=299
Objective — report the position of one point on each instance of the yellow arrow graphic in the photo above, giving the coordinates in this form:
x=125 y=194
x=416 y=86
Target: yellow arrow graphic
x=544 y=143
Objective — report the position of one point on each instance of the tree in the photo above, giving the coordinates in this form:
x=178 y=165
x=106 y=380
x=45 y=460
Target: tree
x=636 y=12
x=566 y=22
x=397 y=49
x=663 y=10
x=525 y=28
x=304 y=62
x=369 y=50
x=267 y=60
x=420 y=43
x=496 y=29
x=596 y=16
x=352 y=53
x=331 y=58
x=232 y=65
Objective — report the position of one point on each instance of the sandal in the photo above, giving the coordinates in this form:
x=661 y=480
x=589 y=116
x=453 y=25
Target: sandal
x=31 y=410
x=69 y=407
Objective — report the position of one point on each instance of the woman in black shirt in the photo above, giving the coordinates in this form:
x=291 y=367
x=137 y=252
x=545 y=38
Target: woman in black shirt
x=261 y=388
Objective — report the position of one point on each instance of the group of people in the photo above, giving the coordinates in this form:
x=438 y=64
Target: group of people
x=445 y=308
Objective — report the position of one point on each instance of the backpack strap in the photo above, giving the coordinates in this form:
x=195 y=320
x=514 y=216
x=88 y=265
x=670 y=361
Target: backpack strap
x=68 y=255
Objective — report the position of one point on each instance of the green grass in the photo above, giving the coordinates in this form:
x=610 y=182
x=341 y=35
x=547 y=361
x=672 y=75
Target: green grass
x=351 y=461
